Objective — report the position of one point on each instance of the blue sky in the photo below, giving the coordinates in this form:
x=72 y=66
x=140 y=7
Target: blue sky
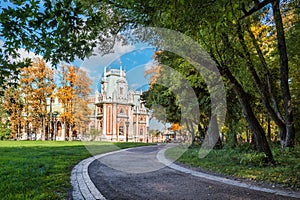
x=134 y=59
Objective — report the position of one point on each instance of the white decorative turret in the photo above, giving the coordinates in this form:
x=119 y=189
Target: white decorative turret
x=104 y=78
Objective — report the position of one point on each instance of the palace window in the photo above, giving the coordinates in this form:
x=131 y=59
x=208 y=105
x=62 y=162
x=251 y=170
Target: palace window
x=121 y=130
x=141 y=132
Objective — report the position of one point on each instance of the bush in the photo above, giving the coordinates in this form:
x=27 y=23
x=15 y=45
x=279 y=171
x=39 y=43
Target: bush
x=254 y=159
x=4 y=133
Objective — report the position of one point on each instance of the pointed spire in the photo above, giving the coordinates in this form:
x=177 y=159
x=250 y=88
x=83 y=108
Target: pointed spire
x=105 y=72
x=124 y=71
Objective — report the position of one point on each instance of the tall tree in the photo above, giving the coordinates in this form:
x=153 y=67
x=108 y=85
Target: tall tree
x=80 y=108
x=284 y=76
x=13 y=105
x=65 y=94
x=37 y=84
x=293 y=41
x=73 y=94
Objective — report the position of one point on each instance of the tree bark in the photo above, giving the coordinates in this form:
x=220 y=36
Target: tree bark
x=257 y=6
x=214 y=134
x=201 y=131
x=43 y=129
x=190 y=130
x=284 y=76
x=269 y=128
x=233 y=135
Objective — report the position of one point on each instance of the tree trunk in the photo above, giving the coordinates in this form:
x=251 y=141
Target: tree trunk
x=269 y=128
x=284 y=76
x=70 y=132
x=50 y=135
x=278 y=120
x=260 y=136
x=18 y=131
x=263 y=91
x=252 y=143
x=27 y=129
x=248 y=135
x=191 y=131
x=201 y=131
x=233 y=138
x=43 y=136
x=63 y=131
x=267 y=75
x=215 y=134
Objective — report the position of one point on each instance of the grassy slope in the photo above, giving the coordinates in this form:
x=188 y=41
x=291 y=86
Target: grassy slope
x=247 y=164
x=41 y=169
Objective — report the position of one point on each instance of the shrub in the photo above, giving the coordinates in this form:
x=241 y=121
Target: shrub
x=4 y=133
x=254 y=159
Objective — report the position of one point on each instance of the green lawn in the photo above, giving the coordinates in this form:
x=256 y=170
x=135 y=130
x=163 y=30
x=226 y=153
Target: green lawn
x=41 y=169
x=245 y=163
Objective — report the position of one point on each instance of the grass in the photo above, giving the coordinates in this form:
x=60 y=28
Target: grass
x=246 y=164
x=41 y=169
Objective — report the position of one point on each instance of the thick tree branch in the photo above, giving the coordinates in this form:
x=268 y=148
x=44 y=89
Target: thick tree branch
x=257 y=6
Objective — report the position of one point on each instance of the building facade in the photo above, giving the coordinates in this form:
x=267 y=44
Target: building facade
x=120 y=114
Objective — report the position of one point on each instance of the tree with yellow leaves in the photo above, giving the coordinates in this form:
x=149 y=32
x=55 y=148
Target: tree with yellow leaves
x=65 y=94
x=73 y=95
x=81 y=109
x=37 y=85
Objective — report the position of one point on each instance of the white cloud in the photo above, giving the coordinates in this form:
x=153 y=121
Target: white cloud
x=101 y=61
x=149 y=65
x=94 y=65
x=23 y=54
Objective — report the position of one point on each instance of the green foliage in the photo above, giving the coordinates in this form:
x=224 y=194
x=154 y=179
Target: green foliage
x=293 y=46
x=254 y=159
x=4 y=124
x=159 y=97
x=243 y=162
x=4 y=132
x=94 y=133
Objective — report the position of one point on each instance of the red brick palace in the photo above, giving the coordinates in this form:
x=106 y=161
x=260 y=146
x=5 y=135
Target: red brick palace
x=120 y=114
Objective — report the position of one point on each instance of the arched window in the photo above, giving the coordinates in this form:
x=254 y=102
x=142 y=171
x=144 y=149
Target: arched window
x=121 y=130
x=121 y=91
x=121 y=111
x=141 y=132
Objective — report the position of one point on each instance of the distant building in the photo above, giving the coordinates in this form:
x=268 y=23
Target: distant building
x=120 y=114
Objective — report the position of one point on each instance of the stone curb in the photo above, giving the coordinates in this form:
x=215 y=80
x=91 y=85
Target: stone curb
x=83 y=187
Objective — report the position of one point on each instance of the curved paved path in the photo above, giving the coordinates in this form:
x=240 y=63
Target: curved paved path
x=141 y=173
